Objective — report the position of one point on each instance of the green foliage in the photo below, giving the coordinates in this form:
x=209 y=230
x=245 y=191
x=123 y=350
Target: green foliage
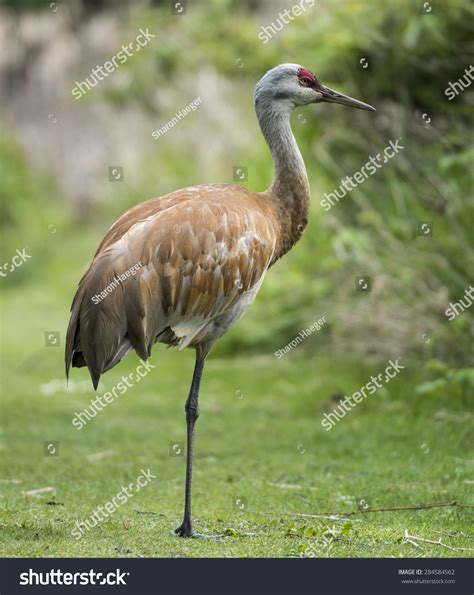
x=30 y=211
x=374 y=230
x=442 y=380
x=408 y=444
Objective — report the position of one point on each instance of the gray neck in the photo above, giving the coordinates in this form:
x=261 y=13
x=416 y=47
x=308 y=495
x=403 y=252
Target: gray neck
x=290 y=187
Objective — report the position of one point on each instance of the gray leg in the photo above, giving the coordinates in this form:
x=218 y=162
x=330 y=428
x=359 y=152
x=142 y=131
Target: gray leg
x=192 y=413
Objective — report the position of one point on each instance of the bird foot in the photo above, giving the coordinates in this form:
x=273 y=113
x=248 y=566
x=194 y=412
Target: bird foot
x=185 y=530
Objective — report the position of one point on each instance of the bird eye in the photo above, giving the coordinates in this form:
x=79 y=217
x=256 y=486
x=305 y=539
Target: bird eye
x=304 y=81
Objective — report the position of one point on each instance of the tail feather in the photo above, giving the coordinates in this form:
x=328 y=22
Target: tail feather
x=135 y=315
x=103 y=329
x=73 y=331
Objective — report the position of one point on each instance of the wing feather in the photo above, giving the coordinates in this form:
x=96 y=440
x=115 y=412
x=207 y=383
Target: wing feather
x=196 y=253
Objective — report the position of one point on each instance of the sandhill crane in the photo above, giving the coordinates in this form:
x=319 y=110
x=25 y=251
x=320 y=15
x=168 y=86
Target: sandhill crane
x=198 y=256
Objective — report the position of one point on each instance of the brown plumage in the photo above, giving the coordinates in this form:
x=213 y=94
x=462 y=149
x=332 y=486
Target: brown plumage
x=182 y=269
x=199 y=252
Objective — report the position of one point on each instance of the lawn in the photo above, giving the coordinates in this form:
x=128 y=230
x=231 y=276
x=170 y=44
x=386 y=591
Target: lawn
x=267 y=474
x=394 y=477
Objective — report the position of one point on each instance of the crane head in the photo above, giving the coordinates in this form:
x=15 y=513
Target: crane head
x=295 y=86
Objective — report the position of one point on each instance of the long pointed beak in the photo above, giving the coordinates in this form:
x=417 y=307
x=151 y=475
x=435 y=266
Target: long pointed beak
x=334 y=97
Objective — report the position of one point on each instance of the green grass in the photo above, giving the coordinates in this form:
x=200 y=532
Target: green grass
x=259 y=440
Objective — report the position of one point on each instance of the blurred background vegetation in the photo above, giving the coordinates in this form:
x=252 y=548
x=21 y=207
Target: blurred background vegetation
x=57 y=200
x=260 y=435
